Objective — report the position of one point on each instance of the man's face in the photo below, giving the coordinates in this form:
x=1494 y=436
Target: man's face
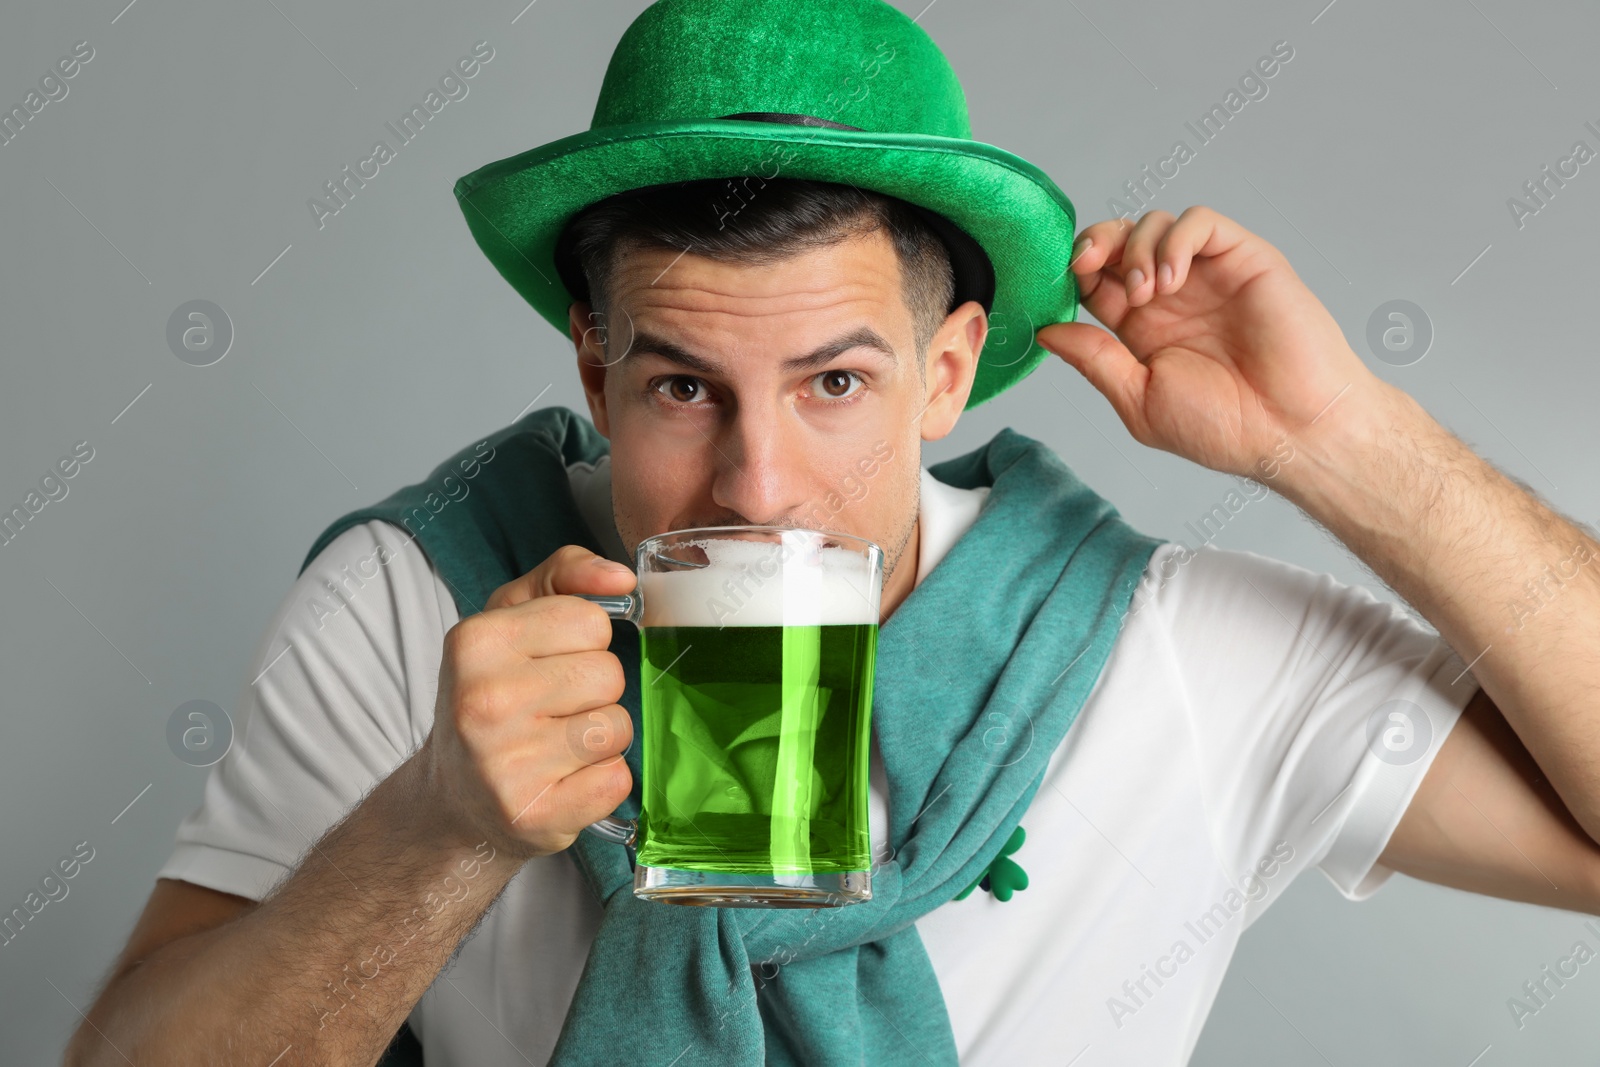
x=786 y=394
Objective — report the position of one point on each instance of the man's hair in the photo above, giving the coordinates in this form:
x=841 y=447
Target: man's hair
x=757 y=221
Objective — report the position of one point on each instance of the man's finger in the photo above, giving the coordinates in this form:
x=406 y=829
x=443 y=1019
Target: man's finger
x=1199 y=231
x=1139 y=256
x=1106 y=238
x=528 y=633
x=594 y=735
x=569 y=569
x=1108 y=364
x=1098 y=269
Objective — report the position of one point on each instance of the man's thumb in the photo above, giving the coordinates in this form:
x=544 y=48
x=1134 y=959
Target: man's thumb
x=1096 y=354
x=569 y=569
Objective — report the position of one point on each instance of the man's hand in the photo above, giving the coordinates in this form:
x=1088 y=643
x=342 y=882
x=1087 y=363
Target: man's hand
x=1220 y=351
x=524 y=752
x=528 y=735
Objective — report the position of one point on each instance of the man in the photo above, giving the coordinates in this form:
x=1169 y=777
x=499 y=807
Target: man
x=432 y=695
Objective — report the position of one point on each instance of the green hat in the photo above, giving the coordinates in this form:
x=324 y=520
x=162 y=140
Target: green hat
x=848 y=91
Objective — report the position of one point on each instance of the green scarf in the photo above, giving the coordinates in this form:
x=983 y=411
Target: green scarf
x=980 y=672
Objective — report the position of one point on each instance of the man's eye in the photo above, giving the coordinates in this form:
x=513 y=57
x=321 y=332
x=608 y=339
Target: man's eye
x=682 y=389
x=837 y=384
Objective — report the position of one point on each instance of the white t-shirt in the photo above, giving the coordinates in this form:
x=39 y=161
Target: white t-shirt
x=1223 y=750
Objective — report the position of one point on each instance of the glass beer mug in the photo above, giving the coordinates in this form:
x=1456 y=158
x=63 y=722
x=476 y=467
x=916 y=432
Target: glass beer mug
x=756 y=648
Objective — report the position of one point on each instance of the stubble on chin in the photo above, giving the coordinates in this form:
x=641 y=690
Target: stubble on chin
x=909 y=527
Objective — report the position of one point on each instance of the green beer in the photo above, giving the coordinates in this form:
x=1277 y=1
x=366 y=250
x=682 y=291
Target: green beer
x=756 y=649
x=756 y=742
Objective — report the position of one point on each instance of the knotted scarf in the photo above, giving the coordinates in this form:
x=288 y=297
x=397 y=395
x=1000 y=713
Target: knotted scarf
x=980 y=672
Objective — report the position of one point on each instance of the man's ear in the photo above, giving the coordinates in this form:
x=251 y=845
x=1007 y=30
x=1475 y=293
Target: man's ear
x=952 y=363
x=589 y=340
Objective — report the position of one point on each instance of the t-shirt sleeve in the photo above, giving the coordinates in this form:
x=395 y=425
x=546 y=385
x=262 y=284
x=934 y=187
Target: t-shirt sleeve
x=337 y=695
x=1317 y=709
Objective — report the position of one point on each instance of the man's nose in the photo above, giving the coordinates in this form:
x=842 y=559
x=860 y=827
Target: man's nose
x=761 y=467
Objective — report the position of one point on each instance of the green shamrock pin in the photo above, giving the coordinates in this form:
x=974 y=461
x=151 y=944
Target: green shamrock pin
x=1004 y=876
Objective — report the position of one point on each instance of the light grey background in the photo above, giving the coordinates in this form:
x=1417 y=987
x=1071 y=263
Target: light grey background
x=179 y=165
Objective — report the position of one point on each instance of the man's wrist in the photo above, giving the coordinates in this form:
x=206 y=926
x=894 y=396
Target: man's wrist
x=1374 y=465
x=424 y=816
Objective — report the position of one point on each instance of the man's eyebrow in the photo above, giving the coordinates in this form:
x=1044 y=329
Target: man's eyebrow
x=860 y=337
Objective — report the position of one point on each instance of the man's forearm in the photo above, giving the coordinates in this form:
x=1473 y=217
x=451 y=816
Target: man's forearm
x=1511 y=585
x=328 y=966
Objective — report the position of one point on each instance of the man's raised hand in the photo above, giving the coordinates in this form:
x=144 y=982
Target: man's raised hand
x=1217 y=350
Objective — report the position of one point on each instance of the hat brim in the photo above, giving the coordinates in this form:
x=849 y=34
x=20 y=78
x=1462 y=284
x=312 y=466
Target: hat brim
x=517 y=207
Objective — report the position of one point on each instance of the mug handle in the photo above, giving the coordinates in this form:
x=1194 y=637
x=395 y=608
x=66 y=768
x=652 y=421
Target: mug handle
x=630 y=607
x=626 y=606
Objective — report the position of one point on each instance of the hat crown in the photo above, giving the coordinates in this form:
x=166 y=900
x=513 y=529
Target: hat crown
x=859 y=63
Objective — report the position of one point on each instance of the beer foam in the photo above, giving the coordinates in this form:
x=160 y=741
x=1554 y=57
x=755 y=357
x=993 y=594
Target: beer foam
x=763 y=583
